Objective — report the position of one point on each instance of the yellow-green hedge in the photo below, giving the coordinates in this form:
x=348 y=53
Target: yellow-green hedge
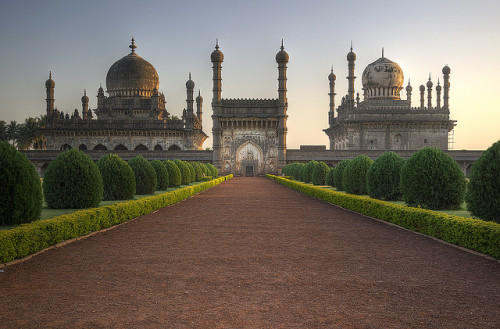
x=29 y=238
x=470 y=233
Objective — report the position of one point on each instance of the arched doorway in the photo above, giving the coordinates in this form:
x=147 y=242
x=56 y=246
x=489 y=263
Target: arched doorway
x=141 y=147
x=174 y=148
x=100 y=147
x=158 y=147
x=82 y=147
x=120 y=147
x=249 y=159
x=65 y=147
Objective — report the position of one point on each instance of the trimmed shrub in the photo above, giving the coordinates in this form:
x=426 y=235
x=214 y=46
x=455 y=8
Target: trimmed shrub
x=329 y=178
x=320 y=171
x=20 y=188
x=191 y=170
x=470 y=233
x=145 y=175
x=214 y=171
x=72 y=181
x=432 y=179
x=354 y=177
x=296 y=173
x=185 y=172
x=483 y=192
x=206 y=171
x=118 y=178
x=308 y=171
x=382 y=179
x=174 y=174
x=198 y=171
x=338 y=174
x=161 y=175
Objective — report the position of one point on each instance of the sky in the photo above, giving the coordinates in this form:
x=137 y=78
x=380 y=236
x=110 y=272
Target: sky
x=79 y=40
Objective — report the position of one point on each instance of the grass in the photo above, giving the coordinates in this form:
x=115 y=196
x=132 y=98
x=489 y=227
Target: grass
x=49 y=213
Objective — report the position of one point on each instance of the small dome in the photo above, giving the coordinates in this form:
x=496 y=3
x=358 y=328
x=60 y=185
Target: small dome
x=85 y=98
x=190 y=83
x=217 y=55
x=384 y=78
x=199 y=99
x=429 y=83
x=438 y=87
x=332 y=76
x=446 y=70
x=50 y=83
x=409 y=87
x=131 y=73
x=282 y=55
x=351 y=56
x=422 y=88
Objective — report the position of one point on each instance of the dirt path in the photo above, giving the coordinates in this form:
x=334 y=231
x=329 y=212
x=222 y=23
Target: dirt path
x=250 y=253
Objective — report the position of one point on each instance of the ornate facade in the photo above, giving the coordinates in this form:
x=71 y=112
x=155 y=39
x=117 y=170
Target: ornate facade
x=383 y=121
x=132 y=117
x=249 y=134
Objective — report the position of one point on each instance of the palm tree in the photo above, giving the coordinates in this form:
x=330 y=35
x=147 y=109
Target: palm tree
x=3 y=131
x=12 y=132
x=30 y=134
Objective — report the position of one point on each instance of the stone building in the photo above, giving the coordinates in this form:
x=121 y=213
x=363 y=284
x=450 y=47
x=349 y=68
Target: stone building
x=384 y=121
x=132 y=117
x=249 y=135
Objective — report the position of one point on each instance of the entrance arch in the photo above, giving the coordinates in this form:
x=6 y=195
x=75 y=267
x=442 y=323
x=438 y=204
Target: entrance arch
x=249 y=159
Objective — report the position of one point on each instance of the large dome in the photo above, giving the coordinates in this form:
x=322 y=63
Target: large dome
x=131 y=76
x=383 y=79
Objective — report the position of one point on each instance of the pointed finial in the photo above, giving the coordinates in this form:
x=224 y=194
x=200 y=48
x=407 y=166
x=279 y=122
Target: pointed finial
x=133 y=46
x=282 y=45
x=189 y=75
x=50 y=74
x=217 y=43
x=429 y=77
x=408 y=81
x=351 y=45
x=438 y=81
x=84 y=92
x=199 y=92
x=382 y=52
x=332 y=68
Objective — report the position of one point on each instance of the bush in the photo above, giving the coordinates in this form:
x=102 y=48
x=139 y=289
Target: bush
x=206 y=171
x=320 y=171
x=432 y=179
x=191 y=170
x=296 y=173
x=469 y=233
x=329 y=178
x=145 y=175
x=307 y=173
x=27 y=239
x=161 y=175
x=354 y=177
x=214 y=171
x=185 y=172
x=20 y=188
x=118 y=178
x=338 y=174
x=198 y=171
x=72 y=181
x=483 y=193
x=382 y=179
x=174 y=174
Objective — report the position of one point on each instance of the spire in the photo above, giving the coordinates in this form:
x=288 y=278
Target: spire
x=382 y=52
x=351 y=45
x=282 y=44
x=50 y=74
x=189 y=75
x=332 y=69
x=132 y=45
x=217 y=43
x=84 y=92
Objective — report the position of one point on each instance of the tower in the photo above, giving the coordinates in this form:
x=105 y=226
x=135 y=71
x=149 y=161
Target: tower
x=351 y=58
x=217 y=57
x=408 y=93
x=189 y=103
x=85 y=104
x=49 y=86
x=199 y=105
x=282 y=60
x=331 y=78
x=422 y=97
x=429 y=93
x=100 y=97
x=446 y=86
x=438 y=96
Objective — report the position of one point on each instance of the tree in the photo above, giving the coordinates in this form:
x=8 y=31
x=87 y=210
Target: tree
x=382 y=179
x=118 y=178
x=354 y=176
x=145 y=175
x=338 y=175
x=320 y=171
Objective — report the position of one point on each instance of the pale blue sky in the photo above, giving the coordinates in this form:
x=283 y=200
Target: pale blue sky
x=79 y=40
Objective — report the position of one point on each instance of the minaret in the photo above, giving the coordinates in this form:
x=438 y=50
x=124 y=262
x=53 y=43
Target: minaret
x=190 y=101
x=408 y=93
x=351 y=58
x=49 y=86
x=85 y=104
x=100 y=97
x=199 y=105
x=446 y=86
x=438 y=96
x=331 y=113
x=422 y=97
x=282 y=59
x=429 y=93
x=217 y=58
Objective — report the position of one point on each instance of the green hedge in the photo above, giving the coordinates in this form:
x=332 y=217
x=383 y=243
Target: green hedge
x=29 y=238
x=470 y=233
